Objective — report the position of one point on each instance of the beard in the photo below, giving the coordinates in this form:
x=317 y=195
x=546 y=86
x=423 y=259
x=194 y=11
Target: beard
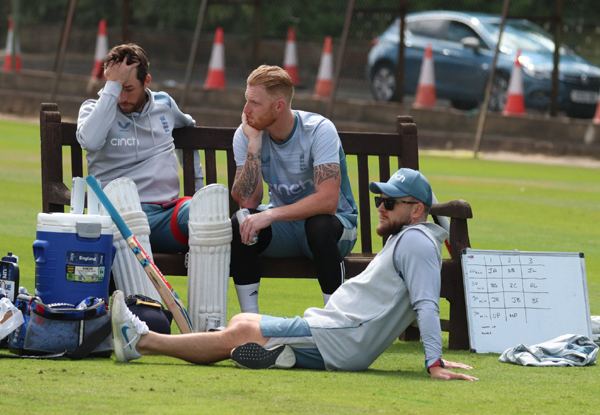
x=137 y=107
x=263 y=122
x=389 y=227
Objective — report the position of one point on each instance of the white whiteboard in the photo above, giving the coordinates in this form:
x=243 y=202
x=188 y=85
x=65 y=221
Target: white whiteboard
x=517 y=297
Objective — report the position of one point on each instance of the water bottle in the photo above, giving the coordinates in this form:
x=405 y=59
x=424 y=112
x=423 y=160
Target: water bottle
x=9 y=275
x=241 y=216
x=10 y=258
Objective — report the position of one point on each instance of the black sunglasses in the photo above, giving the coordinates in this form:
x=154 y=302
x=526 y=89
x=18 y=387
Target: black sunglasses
x=388 y=203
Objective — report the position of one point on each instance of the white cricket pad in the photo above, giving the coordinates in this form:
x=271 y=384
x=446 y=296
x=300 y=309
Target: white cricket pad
x=210 y=238
x=129 y=274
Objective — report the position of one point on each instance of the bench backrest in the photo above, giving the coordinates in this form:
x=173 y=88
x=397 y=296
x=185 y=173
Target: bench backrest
x=56 y=134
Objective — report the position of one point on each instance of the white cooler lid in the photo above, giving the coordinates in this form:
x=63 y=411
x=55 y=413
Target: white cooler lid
x=67 y=222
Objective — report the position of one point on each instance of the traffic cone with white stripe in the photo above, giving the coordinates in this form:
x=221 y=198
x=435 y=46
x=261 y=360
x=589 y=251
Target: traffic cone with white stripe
x=515 y=101
x=215 y=79
x=101 y=51
x=325 y=75
x=290 y=57
x=9 y=50
x=425 y=97
x=596 y=119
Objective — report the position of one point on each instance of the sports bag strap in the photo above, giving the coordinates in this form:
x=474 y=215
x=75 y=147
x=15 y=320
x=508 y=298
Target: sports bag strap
x=46 y=356
x=92 y=341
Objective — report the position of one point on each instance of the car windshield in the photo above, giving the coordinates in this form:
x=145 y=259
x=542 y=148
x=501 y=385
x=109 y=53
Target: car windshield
x=523 y=36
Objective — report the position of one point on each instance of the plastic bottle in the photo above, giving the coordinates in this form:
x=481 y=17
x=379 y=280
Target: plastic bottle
x=10 y=258
x=241 y=216
x=9 y=275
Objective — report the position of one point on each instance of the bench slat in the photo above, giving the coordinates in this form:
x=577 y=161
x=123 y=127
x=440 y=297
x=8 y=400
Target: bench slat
x=364 y=206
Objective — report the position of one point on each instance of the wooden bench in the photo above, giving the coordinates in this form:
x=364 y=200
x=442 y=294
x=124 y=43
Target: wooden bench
x=403 y=145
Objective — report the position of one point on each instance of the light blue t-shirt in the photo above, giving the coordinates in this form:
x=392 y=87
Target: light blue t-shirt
x=287 y=167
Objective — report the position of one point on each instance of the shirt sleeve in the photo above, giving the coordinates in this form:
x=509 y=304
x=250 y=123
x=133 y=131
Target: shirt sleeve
x=181 y=119
x=96 y=117
x=416 y=257
x=240 y=147
x=326 y=144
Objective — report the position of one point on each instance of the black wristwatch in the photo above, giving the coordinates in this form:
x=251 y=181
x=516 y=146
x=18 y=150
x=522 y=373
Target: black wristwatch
x=438 y=362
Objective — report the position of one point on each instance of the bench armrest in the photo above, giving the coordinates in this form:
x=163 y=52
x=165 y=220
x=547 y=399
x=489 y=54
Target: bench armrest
x=460 y=209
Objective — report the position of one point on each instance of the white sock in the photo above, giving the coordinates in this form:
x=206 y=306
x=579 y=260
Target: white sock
x=326 y=298
x=248 y=297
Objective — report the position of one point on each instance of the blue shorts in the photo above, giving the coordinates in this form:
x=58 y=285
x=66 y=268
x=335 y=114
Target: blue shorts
x=289 y=239
x=159 y=218
x=295 y=333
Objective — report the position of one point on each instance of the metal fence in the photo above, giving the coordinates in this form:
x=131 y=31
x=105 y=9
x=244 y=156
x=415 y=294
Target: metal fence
x=255 y=32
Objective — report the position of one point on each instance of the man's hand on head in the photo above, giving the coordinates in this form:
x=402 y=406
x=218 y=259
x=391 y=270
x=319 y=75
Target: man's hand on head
x=119 y=71
x=249 y=131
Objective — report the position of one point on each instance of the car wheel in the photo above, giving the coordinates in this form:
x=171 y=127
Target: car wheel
x=383 y=83
x=498 y=96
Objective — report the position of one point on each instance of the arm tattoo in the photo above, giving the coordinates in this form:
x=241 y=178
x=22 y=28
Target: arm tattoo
x=249 y=176
x=326 y=171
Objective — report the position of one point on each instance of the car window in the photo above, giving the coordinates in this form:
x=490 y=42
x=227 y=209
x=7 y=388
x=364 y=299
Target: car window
x=458 y=31
x=434 y=29
x=523 y=35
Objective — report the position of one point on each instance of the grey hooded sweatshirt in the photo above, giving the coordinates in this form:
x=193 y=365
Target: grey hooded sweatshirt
x=137 y=145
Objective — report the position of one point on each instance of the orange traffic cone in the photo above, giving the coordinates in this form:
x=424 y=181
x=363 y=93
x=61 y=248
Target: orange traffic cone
x=290 y=57
x=101 y=51
x=515 y=102
x=425 y=97
x=216 y=66
x=9 y=50
x=596 y=119
x=325 y=75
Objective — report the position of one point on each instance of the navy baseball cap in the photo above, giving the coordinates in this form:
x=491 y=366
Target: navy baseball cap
x=405 y=182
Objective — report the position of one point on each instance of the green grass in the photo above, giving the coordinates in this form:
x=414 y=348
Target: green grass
x=515 y=206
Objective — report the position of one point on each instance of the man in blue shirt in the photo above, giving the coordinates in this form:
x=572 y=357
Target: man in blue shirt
x=311 y=210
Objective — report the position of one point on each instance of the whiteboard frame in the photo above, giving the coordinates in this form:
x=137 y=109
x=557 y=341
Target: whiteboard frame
x=470 y=323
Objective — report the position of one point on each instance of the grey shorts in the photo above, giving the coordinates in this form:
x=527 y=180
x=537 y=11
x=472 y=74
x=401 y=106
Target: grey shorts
x=289 y=238
x=295 y=333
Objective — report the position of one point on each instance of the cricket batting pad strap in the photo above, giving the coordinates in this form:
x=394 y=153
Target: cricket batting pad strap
x=177 y=234
x=129 y=274
x=210 y=238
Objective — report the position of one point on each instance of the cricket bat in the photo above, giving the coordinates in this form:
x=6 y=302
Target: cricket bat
x=167 y=293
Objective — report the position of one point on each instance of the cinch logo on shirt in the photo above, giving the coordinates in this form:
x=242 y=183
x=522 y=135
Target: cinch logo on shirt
x=119 y=141
x=293 y=189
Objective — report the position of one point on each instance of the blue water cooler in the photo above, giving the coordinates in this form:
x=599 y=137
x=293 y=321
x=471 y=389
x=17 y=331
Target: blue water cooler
x=73 y=255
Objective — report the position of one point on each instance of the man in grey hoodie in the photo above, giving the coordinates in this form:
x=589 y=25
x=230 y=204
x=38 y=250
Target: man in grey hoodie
x=127 y=132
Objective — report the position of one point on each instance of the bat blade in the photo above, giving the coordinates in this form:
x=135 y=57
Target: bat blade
x=166 y=291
